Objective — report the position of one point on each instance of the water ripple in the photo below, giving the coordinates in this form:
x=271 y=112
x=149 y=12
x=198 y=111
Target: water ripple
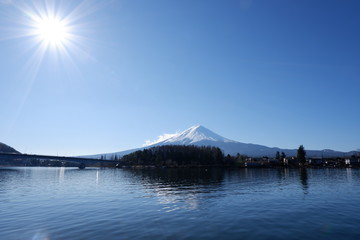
x=65 y=203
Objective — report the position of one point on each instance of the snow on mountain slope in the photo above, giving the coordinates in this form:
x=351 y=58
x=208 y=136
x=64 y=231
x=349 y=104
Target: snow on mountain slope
x=193 y=135
x=196 y=135
x=201 y=136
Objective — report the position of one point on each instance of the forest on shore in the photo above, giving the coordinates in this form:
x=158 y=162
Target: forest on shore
x=205 y=156
x=175 y=156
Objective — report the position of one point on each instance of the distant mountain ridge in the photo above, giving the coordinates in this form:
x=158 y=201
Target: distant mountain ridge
x=201 y=136
x=7 y=149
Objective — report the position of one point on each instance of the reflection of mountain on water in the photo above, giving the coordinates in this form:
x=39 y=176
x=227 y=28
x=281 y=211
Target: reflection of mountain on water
x=181 y=188
x=186 y=188
x=199 y=188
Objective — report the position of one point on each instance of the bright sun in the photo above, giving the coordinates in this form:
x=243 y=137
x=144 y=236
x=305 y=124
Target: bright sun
x=54 y=28
x=51 y=31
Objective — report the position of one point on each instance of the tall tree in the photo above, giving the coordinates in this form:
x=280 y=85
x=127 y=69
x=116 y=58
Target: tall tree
x=301 y=155
x=277 y=156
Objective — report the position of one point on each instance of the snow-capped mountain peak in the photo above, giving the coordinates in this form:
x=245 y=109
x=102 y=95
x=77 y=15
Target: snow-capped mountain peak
x=193 y=135
x=201 y=136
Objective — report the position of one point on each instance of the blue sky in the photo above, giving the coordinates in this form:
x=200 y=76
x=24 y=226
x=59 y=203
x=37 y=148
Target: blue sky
x=278 y=73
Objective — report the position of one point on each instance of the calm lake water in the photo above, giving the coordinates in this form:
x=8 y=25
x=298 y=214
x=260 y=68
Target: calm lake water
x=67 y=203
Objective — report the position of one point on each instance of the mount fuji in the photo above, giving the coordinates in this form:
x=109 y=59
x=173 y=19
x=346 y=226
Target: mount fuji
x=201 y=136
x=193 y=136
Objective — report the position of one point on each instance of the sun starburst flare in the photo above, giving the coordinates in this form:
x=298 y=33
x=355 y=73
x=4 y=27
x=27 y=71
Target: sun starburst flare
x=52 y=31
x=53 y=27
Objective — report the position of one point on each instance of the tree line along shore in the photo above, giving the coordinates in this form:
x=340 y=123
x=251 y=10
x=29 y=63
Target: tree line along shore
x=194 y=156
x=181 y=156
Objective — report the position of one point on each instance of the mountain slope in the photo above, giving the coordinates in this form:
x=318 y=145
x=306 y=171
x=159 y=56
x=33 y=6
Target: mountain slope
x=194 y=135
x=201 y=136
x=7 y=149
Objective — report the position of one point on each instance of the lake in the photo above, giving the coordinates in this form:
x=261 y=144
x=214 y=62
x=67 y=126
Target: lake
x=68 y=203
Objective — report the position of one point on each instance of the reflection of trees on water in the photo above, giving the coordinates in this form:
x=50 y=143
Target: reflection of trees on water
x=282 y=174
x=287 y=176
x=304 y=180
x=178 y=186
x=198 y=179
x=194 y=188
x=181 y=176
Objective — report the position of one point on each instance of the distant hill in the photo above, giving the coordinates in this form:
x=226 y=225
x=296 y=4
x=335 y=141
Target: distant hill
x=7 y=149
x=201 y=136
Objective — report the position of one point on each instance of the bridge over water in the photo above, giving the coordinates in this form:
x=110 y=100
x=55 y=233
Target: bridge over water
x=83 y=162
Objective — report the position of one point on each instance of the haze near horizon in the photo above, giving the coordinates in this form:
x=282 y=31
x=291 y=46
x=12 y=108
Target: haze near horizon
x=88 y=77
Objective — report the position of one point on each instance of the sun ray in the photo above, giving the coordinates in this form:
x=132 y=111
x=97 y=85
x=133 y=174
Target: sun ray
x=49 y=30
x=60 y=28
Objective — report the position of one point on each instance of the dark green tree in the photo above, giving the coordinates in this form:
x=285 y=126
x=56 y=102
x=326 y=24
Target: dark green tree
x=277 y=156
x=175 y=155
x=301 y=155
